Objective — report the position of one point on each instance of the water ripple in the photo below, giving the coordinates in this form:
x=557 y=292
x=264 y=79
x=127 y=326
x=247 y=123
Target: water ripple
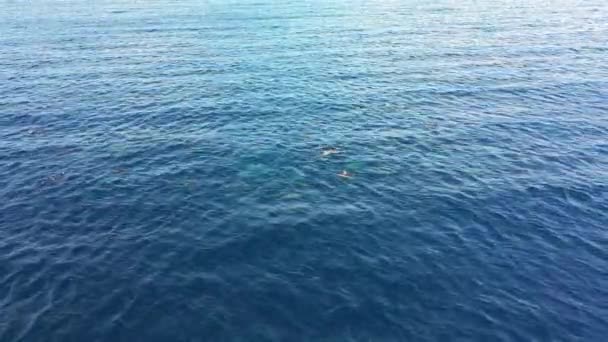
x=162 y=175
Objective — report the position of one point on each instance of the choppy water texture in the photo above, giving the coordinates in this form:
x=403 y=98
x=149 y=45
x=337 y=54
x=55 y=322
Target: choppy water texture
x=161 y=176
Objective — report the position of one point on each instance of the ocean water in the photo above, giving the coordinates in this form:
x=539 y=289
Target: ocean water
x=162 y=176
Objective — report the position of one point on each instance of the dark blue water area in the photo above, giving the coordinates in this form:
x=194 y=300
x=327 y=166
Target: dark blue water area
x=162 y=175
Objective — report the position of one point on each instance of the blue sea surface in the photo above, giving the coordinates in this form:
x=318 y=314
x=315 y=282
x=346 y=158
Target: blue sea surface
x=163 y=177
